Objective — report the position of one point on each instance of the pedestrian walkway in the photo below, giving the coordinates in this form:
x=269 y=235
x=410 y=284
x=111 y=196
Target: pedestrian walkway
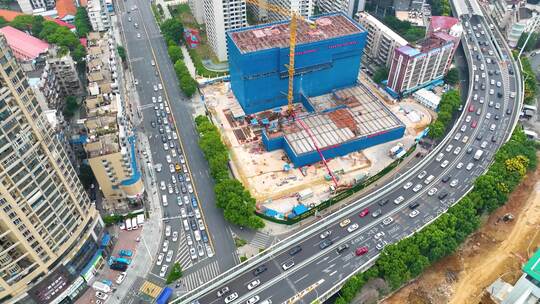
x=204 y=274
x=183 y=257
x=261 y=240
x=150 y=289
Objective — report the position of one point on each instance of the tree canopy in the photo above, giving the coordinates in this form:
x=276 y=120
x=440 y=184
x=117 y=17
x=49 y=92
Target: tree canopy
x=380 y=75
x=82 y=22
x=173 y=30
x=450 y=102
x=405 y=28
x=452 y=76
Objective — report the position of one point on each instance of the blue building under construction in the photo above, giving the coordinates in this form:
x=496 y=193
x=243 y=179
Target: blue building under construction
x=328 y=54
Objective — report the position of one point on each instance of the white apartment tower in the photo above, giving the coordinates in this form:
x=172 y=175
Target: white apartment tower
x=304 y=7
x=197 y=9
x=221 y=16
x=47 y=223
x=349 y=7
x=28 y=6
x=98 y=15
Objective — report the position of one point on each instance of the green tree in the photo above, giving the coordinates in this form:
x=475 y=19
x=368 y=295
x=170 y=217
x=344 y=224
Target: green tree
x=380 y=75
x=436 y=130
x=175 y=53
x=37 y=25
x=3 y=22
x=531 y=44
x=22 y=22
x=174 y=274
x=71 y=106
x=82 y=22
x=121 y=52
x=452 y=77
x=172 y=29
x=414 y=34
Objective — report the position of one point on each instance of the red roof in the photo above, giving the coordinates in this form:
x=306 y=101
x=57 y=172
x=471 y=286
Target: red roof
x=65 y=7
x=24 y=46
x=442 y=23
x=10 y=15
x=63 y=23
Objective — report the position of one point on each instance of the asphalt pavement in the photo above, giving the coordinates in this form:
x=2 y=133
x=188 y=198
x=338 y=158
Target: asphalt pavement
x=144 y=45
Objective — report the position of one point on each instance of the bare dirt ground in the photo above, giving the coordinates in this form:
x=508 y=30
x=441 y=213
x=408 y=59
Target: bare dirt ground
x=497 y=249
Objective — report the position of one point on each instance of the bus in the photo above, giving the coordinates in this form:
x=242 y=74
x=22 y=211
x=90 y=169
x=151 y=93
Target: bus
x=133 y=223
x=128 y=224
x=164 y=296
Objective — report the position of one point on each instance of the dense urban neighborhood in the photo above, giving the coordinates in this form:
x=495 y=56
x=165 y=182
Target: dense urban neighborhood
x=269 y=151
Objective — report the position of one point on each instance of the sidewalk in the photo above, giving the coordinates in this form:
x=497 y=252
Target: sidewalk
x=189 y=63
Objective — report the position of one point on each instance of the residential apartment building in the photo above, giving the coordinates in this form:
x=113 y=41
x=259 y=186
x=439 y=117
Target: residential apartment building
x=349 y=7
x=65 y=68
x=197 y=9
x=110 y=146
x=413 y=68
x=304 y=7
x=221 y=16
x=48 y=226
x=28 y=6
x=98 y=13
x=381 y=40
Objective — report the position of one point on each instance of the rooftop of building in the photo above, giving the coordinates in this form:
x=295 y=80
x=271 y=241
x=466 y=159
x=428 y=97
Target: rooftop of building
x=532 y=267
x=63 y=23
x=276 y=35
x=342 y=116
x=65 y=7
x=436 y=40
x=102 y=145
x=408 y=50
x=23 y=42
x=402 y=5
x=442 y=22
x=385 y=29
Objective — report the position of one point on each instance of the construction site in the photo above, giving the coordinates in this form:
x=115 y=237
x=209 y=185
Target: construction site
x=302 y=126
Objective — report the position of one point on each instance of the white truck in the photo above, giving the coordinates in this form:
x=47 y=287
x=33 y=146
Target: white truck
x=478 y=154
x=102 y=287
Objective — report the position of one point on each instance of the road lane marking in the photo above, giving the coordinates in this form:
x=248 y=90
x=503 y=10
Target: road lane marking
x=324 y=259
x=300 y=279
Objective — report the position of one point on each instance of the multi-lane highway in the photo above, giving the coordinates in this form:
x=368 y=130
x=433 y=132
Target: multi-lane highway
x=193 y=228
x=405 y=206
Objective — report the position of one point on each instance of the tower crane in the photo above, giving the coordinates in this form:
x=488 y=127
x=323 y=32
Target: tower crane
x=293 y=26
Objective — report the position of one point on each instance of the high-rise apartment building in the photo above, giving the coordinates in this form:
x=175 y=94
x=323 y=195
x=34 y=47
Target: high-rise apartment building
x=304 y=7
x=110 y=146
x=48 y=226
x=381 y=41
x=349 y=7
x=221 y=16
x=28 y=6
x=413 y=68
x=98 y=13
x=197 y=9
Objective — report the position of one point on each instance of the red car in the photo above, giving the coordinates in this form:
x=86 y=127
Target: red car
x=473 y=124
x=361 y=251
x=471 y=108
x=364 y=212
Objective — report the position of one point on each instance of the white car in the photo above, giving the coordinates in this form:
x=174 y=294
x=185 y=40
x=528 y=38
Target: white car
x=231 y=297
x=469 y=166
x=162 y=185
x=183 y=213
x=201 y=225
x=253 y=300
x=175 y=236
x=379 y=235
x=168 y=158
x=173 y=179
x=167 y=110
x=439 y=157
x=163 y=270
x=414 y=213
x=197 y=235
x=325 y=234
x=190 y=188
x=193 y=253
x=189 y=240
x=169 y=256
x=432 y=191
x=465 y=139
x=160 y=86
x=209 y=251
x=165 y=246
x=454 y=183
x=169 y=186
x=200 y=248
x=387 y=221
x=171 y=168
x=159 y=98
x=160 y=259
x=352 y=227
x=173 y=151
x=407 y=185
x=492 y=127
x=155 y=88
x=154 y=99
x=457 y=150
x=197 y=214
x=467 y=119
x=165 y=147
x=174 y=135
x=121 y=278
x=459 y=165
x=254 y=284
x=167 y=230
x=182 y=160
x=444 y=164
x=417 y=188
x=138 y=34
x=398 y=200
x=449 y=148
x=381 y=245
x=457 y=136
x=287 y=265
x=422 y=174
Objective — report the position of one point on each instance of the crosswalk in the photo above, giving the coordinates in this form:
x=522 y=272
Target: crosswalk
x=183 y=257
x=204 y=274
x=261 y=240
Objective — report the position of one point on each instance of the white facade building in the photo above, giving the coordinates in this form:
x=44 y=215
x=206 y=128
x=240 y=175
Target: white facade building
x=349 y=7
x=427 y=98
x=221 y=16
x=381 y=40
x=197 y=9
x=98 y=15
x=28 y=6
x=304 y=7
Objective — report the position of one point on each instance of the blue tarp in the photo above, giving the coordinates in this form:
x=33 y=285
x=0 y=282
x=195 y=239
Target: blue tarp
x=105 y=240
x=164 y=296
x=81 y=139
x=136 y=176
x=265 y=121
x=254 y=122
x=299 y=209
x=270 y=212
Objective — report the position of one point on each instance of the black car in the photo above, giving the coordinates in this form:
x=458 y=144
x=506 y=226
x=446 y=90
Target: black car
x=442 y=195
x=164 y=138
x=295 y=250
x=161 y=130
x=119 y=266
x=499 y=94
x=260 y=269
x=497 y=117
x=193 y=224
x=342 y=248
x=414 y=205
x=384 y=202
x=446 y=179
x=469 y=150
x=325 y=244
x=204 y=236
x=159 y=121
x=508 y=111
x=479 y=136
x=493 y=138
